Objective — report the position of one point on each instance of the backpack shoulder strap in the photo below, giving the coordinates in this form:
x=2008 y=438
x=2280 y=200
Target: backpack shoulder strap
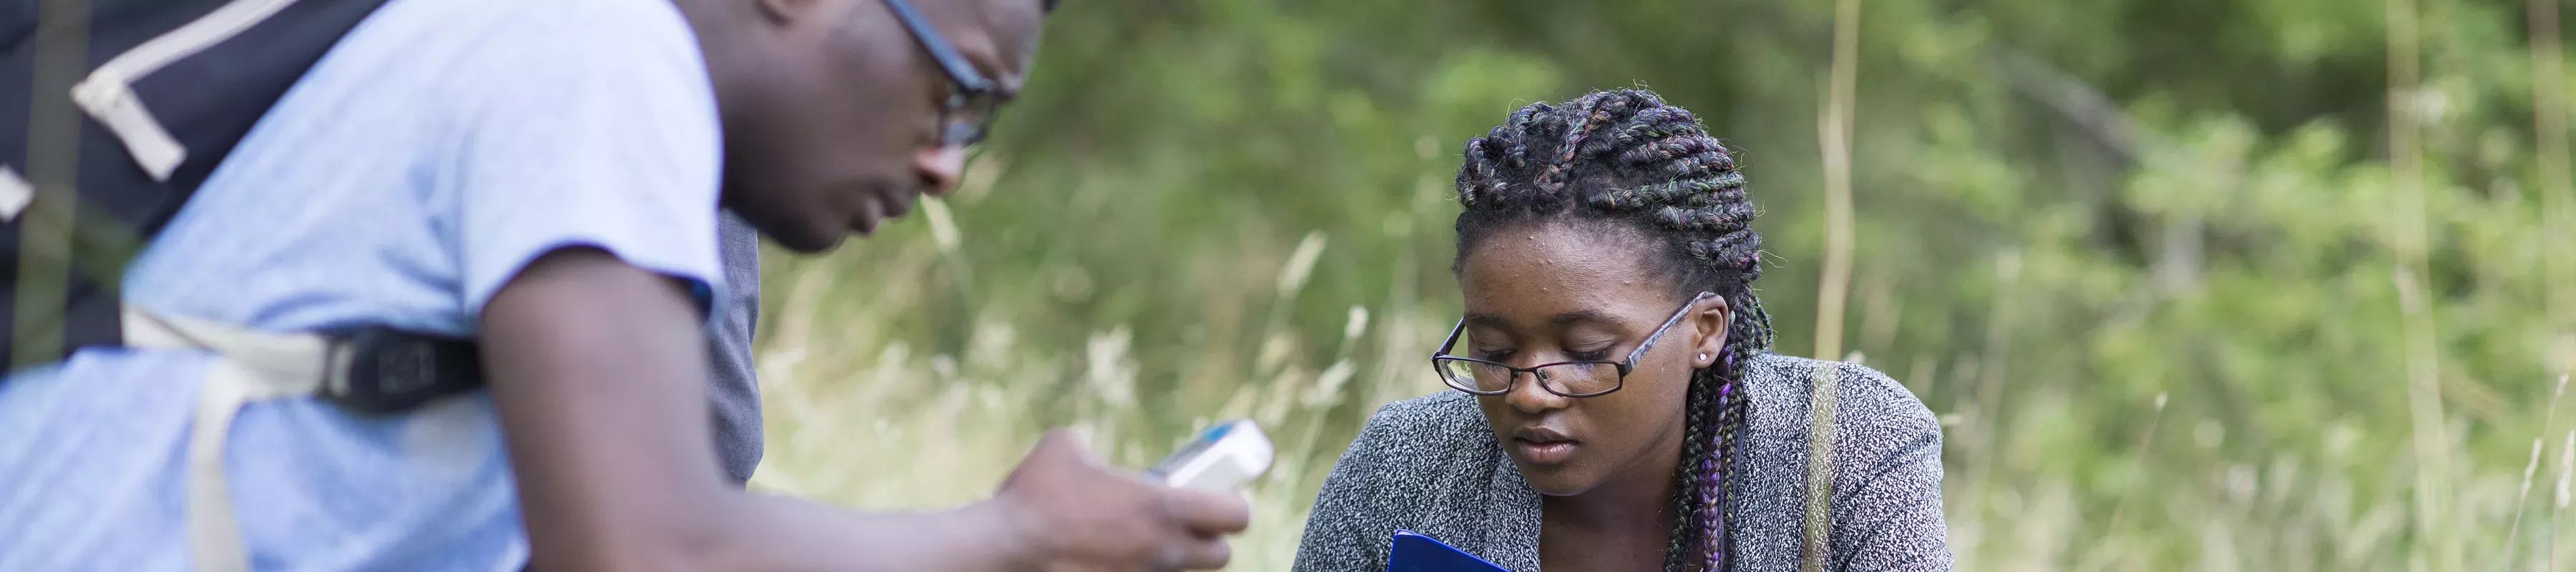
x=165 y=89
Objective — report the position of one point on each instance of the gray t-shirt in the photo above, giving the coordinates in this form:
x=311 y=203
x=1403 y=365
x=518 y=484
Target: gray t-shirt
x=735 y=395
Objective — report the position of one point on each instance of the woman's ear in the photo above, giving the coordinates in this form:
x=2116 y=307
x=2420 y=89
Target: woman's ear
x=1708 y=319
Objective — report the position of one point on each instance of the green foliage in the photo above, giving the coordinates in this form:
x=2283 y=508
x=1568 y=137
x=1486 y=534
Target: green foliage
x=2069 y=212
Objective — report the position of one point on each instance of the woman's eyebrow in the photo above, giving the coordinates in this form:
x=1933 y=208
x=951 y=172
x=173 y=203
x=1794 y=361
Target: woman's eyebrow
x=1593 y=317
x=1583 y=317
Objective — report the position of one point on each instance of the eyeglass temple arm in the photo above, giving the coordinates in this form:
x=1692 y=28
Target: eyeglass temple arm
x=940 y=50
x=1453 y=339
x=1640 y=352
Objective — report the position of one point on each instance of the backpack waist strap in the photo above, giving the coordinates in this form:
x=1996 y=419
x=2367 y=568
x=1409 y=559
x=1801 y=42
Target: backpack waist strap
x=251 y=366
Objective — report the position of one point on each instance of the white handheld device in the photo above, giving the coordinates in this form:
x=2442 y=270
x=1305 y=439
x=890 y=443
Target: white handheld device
x=1222 y=458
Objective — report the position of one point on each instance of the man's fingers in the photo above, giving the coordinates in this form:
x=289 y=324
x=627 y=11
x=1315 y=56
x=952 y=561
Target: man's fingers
x=1204 y=554
x=1208 y=513
x=1063 y=443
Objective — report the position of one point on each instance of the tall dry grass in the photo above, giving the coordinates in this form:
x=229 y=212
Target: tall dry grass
x=872 y=405
x=861 y=416
x=861 y=413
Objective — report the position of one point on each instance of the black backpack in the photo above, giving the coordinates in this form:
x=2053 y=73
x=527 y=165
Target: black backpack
x=132 y=150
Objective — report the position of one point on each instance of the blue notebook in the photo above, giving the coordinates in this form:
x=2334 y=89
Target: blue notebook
x=1414 y=552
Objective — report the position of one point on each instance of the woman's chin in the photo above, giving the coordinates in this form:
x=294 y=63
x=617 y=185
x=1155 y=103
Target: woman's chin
x=1558 y=480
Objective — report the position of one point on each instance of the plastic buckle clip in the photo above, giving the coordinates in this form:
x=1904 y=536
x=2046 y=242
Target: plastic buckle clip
x=392 y=371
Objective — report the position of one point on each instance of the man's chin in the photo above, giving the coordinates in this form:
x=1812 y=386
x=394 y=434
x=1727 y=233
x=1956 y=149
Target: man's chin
x=814 y=248
x=804 y=240
x=796 y=231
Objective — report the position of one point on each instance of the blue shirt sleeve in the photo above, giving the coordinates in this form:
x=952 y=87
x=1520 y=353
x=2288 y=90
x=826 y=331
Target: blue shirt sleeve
x=588 y=136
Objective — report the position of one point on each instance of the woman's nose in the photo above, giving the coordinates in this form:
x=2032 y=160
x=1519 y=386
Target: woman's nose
x=1529 y=394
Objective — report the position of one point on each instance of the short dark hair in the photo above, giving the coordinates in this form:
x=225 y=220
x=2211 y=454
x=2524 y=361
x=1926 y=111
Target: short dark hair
x=1624 y=158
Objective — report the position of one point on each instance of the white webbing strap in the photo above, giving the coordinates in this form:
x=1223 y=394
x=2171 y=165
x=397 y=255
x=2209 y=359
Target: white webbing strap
x=15 y=194
x=252 y=366
x=108 y=93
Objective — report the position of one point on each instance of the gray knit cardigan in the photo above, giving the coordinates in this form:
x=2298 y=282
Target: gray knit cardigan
x=1431 y=465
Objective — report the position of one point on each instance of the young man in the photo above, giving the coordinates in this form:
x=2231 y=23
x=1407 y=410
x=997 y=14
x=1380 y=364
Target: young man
x=545 y=176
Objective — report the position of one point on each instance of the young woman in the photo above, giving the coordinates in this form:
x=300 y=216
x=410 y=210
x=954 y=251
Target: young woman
x=1614 y=402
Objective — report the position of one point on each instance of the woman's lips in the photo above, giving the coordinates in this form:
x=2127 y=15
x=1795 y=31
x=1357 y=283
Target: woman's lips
x=1543 y=446
x=1544 y=453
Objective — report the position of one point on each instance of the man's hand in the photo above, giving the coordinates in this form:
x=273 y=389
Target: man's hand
x=1071 y=513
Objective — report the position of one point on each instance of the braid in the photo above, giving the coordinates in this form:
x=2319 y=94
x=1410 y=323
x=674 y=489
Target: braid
x=1689 y=487
x=1740 y=354
x=1553 y=180
x=1626 y=157
x=1702 y=477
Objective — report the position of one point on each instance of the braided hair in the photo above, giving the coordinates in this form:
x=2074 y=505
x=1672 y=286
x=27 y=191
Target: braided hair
x=1626 y=157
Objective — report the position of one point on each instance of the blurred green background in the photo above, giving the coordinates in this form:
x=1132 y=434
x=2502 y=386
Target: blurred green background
x=2159 y=264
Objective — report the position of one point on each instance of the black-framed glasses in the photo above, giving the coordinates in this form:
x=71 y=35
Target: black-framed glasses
x=1580 y=378
x=973 y=100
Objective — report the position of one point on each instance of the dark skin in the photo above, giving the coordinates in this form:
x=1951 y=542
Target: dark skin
x=1561 y=291
x=804 y=86
x=598 y=369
